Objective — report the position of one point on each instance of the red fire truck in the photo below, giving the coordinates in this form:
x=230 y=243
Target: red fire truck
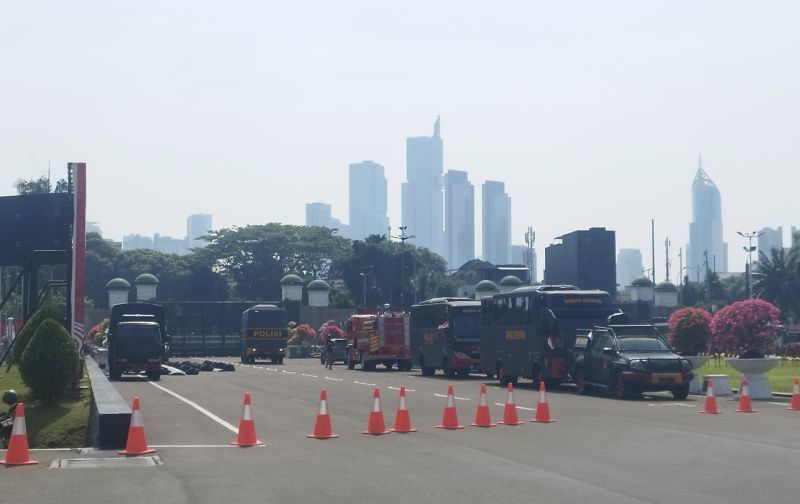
x=378 y=337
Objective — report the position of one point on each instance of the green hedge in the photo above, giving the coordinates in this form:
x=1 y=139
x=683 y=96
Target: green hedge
x=50 y=361
x=29 y=329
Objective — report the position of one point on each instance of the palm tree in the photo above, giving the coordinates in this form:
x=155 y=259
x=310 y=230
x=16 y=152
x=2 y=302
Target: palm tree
x=777 y=279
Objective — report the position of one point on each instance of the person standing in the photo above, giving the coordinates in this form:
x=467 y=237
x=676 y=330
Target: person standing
x=329 y=353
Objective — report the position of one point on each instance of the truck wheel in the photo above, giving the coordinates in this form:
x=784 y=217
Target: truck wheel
x=114 y=374
x=388 y=364
x=580 y=383
x=351 y=364
x=154 y=376
x=624 y=389
x=681 y=393
x=404 y=365
x=462 y=372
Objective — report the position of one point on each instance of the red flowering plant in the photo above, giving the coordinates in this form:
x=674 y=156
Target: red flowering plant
x=689 y=330
x=329 y=330
x=746 y=328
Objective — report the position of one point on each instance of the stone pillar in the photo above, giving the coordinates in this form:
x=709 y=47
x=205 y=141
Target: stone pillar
x=146 y=286
x=319 y=293
x=292 y=288
x=118 y=289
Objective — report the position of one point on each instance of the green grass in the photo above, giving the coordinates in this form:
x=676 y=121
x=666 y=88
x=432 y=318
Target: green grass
x=780 y=377
x=59 y=424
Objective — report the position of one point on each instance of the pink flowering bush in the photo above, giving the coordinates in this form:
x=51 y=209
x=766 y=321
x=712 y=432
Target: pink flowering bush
x=330 y=330
x=303 y=334
x=746 y=328
x=689 y=330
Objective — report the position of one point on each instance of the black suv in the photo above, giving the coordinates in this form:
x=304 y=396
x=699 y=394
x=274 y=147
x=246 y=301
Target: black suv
x=628 y=360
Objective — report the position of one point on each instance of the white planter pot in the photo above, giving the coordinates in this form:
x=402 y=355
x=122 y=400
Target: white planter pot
x=753 y=371
x=696 y=386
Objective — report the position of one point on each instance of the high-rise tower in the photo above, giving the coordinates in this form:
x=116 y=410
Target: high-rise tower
x=367 y=200
x=422 y=201
x=706 y=250
x=496 y=220
x=459 y=218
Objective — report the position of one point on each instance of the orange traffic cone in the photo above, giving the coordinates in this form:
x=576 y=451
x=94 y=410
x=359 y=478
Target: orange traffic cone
x=402 y=420
x=710 y=405
x=794 y=404
x=510 y=409
x=136 y=444
x=450 y=416
x=322 y=426
x=375 y=426
x=542 y=409
x=482 y=417
x=17 y=453
x=744 y=398
x=247 y=429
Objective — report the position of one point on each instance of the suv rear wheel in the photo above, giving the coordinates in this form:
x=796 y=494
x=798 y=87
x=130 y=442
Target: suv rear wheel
x=624 y=389
x=681 y=392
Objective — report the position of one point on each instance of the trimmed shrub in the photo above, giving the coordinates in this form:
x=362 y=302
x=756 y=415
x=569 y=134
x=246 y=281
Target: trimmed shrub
x=50 y=361
x=689 y=330
x=29 y=329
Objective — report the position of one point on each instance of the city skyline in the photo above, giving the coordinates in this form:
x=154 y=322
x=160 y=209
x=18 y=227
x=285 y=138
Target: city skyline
x=592 y=115
x=706 y=250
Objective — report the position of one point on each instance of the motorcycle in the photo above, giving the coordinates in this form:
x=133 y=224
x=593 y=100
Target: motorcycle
x=7 y=417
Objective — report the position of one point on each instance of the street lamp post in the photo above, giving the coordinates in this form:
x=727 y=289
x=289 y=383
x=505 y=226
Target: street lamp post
x=363 y=275
x=749 y=249
x=403 y=237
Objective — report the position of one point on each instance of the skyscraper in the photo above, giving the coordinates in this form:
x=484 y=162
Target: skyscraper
x=422 y=201
x=459 y=218
x=584 y=258
x=769 y=239
x=197 y=225
x=496 y=220
x=367 y=200
x=629 y=266
x=319 y=214
x=706 y=250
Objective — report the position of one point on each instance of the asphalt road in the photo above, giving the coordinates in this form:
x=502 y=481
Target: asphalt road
x=599 y=450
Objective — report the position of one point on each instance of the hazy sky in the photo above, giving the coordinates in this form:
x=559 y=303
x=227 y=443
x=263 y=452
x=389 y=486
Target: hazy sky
x=592 y=113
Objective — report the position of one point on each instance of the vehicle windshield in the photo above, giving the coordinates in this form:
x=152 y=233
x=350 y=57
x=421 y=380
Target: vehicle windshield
x=138 y=340
x=466 y=326
x=642 y=344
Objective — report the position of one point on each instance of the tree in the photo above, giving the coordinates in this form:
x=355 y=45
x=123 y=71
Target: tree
x=255 y=258
x=777 y=280
x=689 y=330
x=100 y=258
x=41 y=185
x=746 y=328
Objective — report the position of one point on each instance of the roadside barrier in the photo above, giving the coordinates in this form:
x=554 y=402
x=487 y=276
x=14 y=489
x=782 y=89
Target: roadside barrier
x=376 y=426
x=450 y=415
x=322 y=425
x=402 y=420
x=247 y=429
x=136 y=444
x=744 y=398
x=482 y=416
x=542 y=408
x=17 y=453
x=710 y=405
x=794 y=404
x=510 y=409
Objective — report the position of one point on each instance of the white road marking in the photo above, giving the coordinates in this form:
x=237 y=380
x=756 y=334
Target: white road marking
x=288 y=372
x=196 y=406
x=334 y=379
x=309 y=375
x=779 y=403
x=271 y=369
x=398 y=388
x=518 y=407
x=671 y=404
x=197 y=446
x=361 y=383
x=454 y=397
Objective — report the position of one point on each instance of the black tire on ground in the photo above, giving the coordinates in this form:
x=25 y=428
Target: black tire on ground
x=351 y=363
x=489 y=375
x=114 y=375
x=580 y=383
x=388 y=364
x=154 y=376
x=462 y=372
x=624 y=390
x=552 y=382
x=681 y=392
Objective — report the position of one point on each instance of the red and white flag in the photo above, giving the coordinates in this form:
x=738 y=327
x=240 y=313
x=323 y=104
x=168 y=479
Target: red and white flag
x=443 y=325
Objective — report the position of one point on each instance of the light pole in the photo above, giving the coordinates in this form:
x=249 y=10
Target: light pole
x=749 y=249
x=403 y=237
x=363 y=275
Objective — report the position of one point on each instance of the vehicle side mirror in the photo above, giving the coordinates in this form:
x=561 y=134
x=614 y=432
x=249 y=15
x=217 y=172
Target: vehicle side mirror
x=608 y=351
